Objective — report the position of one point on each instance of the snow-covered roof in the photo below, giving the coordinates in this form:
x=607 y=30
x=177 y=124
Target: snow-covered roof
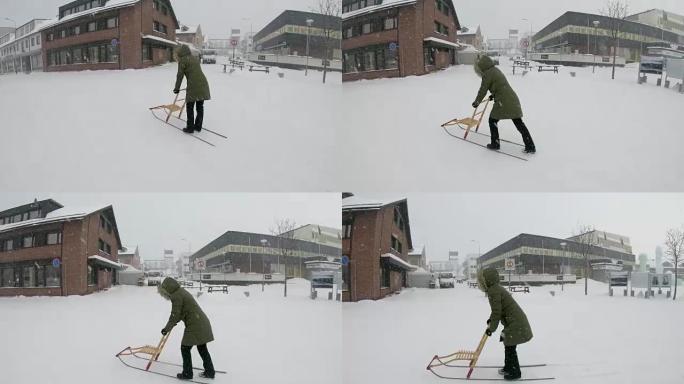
x=62 y=214
x=356 y=202
x=105 y=261
x=396 y=260
x=469 y=48
x=191 y=30
x=111 y=4
x=442 y=41
x=127 y=268
x=386 y=4
x=159 y=39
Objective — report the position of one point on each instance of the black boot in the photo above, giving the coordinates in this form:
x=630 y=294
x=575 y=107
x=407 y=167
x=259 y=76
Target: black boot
x=183 y=376
x=525 y=133
x=187 y=363
x=189 y=129
x=209 y=371
x=512 y=368
x=495 y=146
x=200 y=116
x=207 y=375
x=494 y=133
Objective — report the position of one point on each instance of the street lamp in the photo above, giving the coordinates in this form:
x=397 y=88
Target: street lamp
x=309 y=22
x=264 y=243
x=251 y=32
x=529 y=39
x=596 y=24
x=563 y=244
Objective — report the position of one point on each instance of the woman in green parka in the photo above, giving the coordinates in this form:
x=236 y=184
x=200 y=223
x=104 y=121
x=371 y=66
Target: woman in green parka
x=506 y=103
x=197 y=89
x=516 y=330
x=197 y=327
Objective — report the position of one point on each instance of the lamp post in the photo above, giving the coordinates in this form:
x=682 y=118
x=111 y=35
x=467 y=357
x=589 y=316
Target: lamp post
x=182 y=271
x=529 y=39
x=563 y=244
x=309 y=22
x=596 y=24
x=264 y=243
x=251 y=32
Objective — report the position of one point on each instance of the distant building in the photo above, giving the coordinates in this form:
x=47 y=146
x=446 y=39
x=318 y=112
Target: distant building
x=49 y=250
x=574 y=32
x=418 y=257
x=245 y=252
x=397 y=38
x=221 y=46
x=442 y=266
x=470 y=266
x=317 y=234
x=21 y=51
x=473 y=38
x=549 y=255
x=287 y=35
x=191 y=35
x=377 y=240
x=130 y=256
x=606 y=240
x=661 y=19
x=110 y=34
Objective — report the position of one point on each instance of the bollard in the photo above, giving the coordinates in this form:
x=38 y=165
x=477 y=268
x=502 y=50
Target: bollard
x=610 y=292
x=339 y=297
x=330 y=295
x=658 y=82
x=632 y=293
x=573 y=74
x=668 y=294
x=625 y=294
x=667 y=84
x=246 y=293
x=660 y=291
x=314 y=294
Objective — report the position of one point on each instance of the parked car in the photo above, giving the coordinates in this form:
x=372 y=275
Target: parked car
x=208 y=56
x=447 y=280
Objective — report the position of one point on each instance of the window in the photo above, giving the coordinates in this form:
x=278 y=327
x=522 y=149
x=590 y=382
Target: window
x=147 y=52
x=92 y=26
x=165 y=10
x=16 y=218
x=77 y=56
x=51 y=36
x=390 y=23
x=27 y=241
x=109 y=227
x=9 y=245
x=396 y=244
x=112 y=22
x=102 y=222
x=112 y=54
x=442 y=6
x=34 y=214
x=441 y=29
x=29 y=277
x=52 y=276
x=108 y=249
x=93 y=55
x=346 y=230
x=155 y=26
x=62 y=33
x=92 y=275
x=100 y=245
x=384 y=276
x=8 y=277
x=54 y=238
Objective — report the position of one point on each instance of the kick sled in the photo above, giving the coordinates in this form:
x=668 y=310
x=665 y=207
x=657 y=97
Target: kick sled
x=170 y=113
x=472 y=124
x=449 y=361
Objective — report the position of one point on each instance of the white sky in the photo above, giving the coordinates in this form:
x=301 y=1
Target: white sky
x=216 y=17
x=444 y=222
x=496 y=17
x=160 y=221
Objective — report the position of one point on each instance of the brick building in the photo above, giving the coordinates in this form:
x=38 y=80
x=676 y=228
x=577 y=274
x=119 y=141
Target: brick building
x=110 y=34
x=46 y=249
x=396 y=38
x=473 y=38
x=376 y=237
x=130 y=256
x=191 y=35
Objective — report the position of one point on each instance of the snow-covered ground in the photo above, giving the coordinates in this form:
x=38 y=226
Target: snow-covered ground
x=263 y=338
x=592 y=134
x=93 y=131
x=591 y=340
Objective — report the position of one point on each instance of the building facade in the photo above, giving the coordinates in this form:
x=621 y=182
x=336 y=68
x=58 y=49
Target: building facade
x=396 y=38
x=661 y=19
x=317 y=234
x=376 y=240
x=574 y=32
x=21 y=51
x=191 y=35
x=418 y=257
x=548 y=255
x=130 y=256
x=110 y=34
x=473 y=38
x=263 y=254
x=287 y=35
x=46 y=250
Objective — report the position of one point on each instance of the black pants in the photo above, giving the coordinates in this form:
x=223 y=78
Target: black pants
x=193 y=122
x=187 y=359
x=494 y=130
x=511 y=364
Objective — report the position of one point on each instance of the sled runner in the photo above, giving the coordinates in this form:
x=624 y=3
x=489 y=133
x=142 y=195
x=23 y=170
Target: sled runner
x=146 y=350
x=472 y=357
x=175 y=111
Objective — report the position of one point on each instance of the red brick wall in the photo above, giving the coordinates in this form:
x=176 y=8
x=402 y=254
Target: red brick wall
x=74 y=267
x=149 y=15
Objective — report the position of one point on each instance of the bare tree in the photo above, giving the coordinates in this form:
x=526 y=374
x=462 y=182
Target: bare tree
x=674 y=242
x=283 y=229
x=616 y=12
x=332 y=29
x=587 y=240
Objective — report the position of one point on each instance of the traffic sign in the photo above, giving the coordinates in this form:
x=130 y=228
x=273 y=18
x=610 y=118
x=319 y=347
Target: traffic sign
x=56 y=262
x=115 y=42
x=345 y=260
x=509 y=264
x=234 y=42
x=393 y=46
x=200 y=265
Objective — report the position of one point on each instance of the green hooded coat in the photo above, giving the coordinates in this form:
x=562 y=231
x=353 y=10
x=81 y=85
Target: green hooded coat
x=185 y=308
x=517 y=329
x=189 y=67
x=506 y=102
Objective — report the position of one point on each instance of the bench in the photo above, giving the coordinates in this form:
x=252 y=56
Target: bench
x=186 y=283
x=258 y=68
x=524 y=67
x=222 y=288
x=548 y=68
x=472 y=284
x=225 y=66
x=515 y=288
x=522 y=63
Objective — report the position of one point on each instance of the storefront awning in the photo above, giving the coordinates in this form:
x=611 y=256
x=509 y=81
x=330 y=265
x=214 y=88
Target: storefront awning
x=103 y=262
x=441 y=42
x=398 y=262
x=160 y=40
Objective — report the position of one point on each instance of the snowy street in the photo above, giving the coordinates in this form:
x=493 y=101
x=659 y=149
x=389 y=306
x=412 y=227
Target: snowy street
x=263 y=338
x=591 y=133
x=593 y=340
x=280 y=132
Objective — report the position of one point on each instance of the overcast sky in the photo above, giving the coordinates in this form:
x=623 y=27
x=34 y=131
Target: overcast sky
x=216 y=17
x=160 y=221
x=496 y=17
x=450 y=221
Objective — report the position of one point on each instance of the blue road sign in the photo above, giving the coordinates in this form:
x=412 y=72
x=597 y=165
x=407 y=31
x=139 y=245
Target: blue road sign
x=115 y=42
x=56 y=262
x=345 y=260
x=393 y=46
